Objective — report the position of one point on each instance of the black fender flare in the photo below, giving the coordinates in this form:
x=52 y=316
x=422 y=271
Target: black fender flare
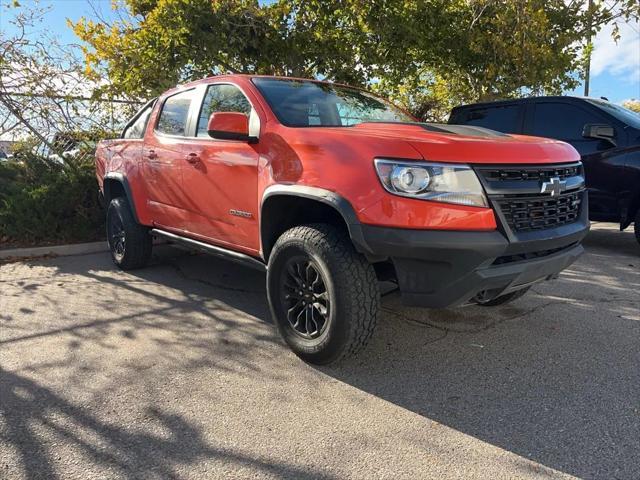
x=120 y=178
x=333 y=199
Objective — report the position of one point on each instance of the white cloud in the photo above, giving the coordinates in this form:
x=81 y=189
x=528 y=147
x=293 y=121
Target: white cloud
x=620 y=59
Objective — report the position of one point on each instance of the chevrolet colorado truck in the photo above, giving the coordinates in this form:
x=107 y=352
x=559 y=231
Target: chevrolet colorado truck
x=332 y=190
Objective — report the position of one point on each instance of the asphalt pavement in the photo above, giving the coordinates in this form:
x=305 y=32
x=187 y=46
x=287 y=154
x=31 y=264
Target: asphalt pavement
x=175 y=371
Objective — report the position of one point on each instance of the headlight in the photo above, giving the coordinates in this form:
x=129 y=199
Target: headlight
x=437 y=182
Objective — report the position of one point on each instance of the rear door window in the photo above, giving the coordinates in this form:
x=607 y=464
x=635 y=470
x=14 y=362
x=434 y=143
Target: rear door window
x=506 y=119
x=137 y=128
x=174 y=114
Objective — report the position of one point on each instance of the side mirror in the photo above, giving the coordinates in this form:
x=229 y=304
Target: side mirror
x=600 y=132
x=229 y=126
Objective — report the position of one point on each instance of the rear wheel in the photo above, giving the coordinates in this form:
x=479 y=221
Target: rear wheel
x=130 y=243
x=323 y=295
x=502 y=299
x=636 y=225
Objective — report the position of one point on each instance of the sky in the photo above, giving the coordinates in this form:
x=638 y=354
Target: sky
x=615 y=67
x=615 y=71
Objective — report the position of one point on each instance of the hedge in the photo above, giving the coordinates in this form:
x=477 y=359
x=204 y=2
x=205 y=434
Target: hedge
x=45 y=201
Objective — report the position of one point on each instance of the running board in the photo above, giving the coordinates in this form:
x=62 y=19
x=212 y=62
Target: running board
x=212 y=249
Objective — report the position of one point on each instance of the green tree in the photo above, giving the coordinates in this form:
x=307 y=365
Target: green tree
x=489 y=49
x=426 y=54
x=633 y=105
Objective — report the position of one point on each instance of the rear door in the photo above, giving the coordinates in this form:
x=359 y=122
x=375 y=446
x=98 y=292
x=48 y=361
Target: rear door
x=162 y=160
x=220 y=187
x=604 y=170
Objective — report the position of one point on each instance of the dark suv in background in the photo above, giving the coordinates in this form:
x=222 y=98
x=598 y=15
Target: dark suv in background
x=606 y=135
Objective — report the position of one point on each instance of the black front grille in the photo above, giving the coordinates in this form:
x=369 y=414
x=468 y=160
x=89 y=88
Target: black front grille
x=539 y=212
x=531 y=173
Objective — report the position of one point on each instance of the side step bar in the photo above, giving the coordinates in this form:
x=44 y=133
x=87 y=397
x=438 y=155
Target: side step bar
x=212 y=249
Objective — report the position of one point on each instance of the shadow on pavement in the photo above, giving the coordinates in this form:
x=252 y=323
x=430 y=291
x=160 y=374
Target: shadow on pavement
x=27 y=408
x=553 y=378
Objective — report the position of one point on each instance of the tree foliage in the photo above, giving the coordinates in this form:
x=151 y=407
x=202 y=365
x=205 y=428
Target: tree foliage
x=48 y=186
x=427 y=54
x=43 y=91
x=633 y=105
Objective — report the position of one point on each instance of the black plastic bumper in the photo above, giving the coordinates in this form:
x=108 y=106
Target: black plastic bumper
x=445 y=268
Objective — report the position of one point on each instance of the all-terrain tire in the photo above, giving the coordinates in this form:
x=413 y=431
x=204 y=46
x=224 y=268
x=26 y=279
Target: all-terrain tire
x=129 y=242
x=324 y=256
x=502 y=299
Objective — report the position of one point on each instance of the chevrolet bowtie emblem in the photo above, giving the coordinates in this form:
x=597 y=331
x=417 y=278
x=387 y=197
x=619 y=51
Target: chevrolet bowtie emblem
x=554 y=186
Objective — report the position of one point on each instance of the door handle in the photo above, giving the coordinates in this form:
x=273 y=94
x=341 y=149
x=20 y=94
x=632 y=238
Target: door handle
x=192 y=158
x=151 y=155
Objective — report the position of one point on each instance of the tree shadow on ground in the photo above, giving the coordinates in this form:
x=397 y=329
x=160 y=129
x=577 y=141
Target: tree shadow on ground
x=553 y=378
x=27 y=407
x=161 y=302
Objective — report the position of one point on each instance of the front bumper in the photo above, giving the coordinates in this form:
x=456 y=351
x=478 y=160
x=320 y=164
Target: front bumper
x=440 y=269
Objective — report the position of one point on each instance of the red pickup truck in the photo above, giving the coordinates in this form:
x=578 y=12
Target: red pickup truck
x=332 y=190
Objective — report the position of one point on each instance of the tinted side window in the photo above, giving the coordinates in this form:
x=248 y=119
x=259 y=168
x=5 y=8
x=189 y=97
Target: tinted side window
x=221 y=98
x=561 y=121
x=137 y=128
x=173 y=118
x=503 y=119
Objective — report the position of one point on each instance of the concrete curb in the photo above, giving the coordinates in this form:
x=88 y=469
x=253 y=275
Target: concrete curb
x=58 y=250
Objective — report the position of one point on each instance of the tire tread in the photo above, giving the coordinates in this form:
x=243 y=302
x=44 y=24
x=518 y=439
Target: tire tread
x=355 y=276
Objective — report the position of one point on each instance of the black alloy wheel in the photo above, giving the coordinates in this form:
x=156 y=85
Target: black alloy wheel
x=304 y=297
x=116 y=235
x=323 y=294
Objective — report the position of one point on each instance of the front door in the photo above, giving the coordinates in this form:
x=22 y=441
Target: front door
x=220 y=179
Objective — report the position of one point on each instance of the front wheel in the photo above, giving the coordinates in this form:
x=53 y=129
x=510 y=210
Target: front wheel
x=323 y=295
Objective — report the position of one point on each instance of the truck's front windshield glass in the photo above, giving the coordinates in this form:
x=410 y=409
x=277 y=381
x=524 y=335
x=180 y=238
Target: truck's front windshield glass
x=302 y=103
x=625 y=115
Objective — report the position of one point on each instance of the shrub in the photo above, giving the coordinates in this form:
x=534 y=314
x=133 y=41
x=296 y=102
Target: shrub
x=43 y=200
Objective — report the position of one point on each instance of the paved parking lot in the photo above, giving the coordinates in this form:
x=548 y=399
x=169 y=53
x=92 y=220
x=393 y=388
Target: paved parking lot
x=175 y=371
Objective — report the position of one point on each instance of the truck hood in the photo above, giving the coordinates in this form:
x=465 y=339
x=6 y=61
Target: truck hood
x=467 y=144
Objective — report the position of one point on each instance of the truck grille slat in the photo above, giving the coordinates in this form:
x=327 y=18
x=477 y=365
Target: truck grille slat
x=525 y=174
x=516 y=193
x=536 y=213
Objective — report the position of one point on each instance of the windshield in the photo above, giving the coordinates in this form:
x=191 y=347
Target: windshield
x=303 y=103
x=625 y=115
